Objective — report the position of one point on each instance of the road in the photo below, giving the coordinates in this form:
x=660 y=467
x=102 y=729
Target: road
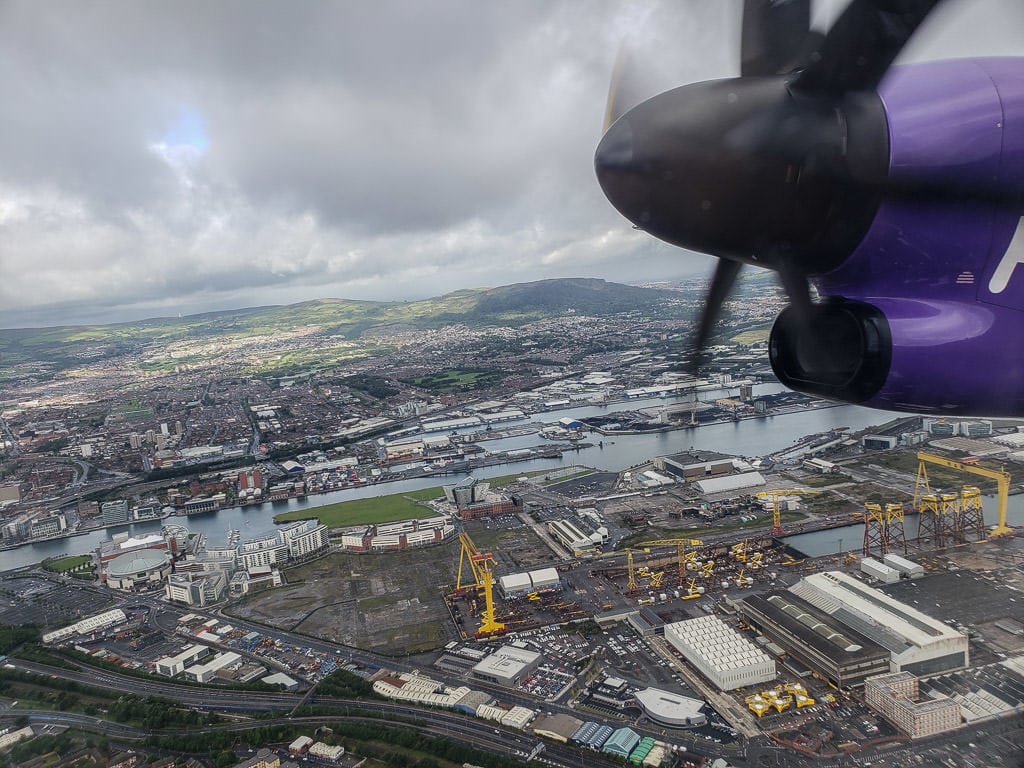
x=438 y=723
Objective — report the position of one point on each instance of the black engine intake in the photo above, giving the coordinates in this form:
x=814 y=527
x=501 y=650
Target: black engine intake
x=842 y=351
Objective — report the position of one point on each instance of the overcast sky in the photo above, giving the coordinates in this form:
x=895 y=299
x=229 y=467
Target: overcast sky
x=165 y=157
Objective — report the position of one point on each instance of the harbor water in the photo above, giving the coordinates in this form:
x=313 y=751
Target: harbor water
x=747 y=437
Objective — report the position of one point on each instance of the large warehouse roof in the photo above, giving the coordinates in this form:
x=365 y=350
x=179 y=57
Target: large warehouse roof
x=720 y=653
x=812 y=627
x=506 y=662
x=833 y=590
x=730 y=482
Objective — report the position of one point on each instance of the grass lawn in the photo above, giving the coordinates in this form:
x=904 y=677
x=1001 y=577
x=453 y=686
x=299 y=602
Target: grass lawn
x=383 y=509
x=65 y=564
x=751 y=337
x=380 y=509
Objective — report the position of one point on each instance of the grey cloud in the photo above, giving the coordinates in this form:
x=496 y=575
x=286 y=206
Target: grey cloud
x=364 y=149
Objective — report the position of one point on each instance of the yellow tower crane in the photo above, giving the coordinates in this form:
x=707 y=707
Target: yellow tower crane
x=1001 y=476
x=680 y=545
x=483 y=579
x=776 y=495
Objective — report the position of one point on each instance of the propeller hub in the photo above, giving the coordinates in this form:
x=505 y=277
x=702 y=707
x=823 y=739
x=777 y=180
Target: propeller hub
x=740 y=169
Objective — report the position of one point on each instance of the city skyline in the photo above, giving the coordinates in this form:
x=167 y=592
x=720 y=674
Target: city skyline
x=167 y=160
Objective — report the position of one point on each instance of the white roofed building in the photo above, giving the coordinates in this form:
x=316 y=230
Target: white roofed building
x=731 y=483
x=138 y=569
x=919 y=643
x=720 y=653
x=507 y=665
x=671 y=709
x=87 y=626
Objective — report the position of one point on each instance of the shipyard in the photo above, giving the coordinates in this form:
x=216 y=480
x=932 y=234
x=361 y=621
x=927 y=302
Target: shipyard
x=657 y=612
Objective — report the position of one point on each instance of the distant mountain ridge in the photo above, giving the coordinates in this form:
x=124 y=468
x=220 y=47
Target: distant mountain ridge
x=584 y=296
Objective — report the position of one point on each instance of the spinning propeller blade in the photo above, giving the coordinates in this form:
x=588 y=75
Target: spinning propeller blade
x=783 y=167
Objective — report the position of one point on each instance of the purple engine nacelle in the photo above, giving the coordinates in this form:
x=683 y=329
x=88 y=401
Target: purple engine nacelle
x=928 y=307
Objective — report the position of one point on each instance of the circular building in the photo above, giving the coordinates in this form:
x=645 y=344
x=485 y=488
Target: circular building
x=138 y=570
x=671 y=709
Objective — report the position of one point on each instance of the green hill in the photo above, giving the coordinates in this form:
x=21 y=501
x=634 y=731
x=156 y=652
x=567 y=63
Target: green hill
x=57 y=348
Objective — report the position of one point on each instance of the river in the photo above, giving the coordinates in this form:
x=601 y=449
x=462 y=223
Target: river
x=851 y=537
x=748 y=437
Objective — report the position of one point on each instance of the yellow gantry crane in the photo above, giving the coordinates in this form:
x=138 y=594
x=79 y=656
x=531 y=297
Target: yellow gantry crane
x=681 y=556
x=483 y=579
x=1001 y=476
x=776 y=495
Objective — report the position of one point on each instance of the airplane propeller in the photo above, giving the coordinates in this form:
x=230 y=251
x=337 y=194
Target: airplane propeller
x=783 y=167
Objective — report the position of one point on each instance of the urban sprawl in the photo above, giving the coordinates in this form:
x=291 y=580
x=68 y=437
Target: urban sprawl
x=418 y=557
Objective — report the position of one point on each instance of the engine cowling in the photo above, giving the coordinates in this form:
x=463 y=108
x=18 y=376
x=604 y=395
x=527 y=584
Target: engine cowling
x=841 y=351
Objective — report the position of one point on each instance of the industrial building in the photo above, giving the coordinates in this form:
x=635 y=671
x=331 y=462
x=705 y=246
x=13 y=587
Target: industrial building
x=506 y=714
x=646 y=622
x=671 y=710
x=516 y=585
x=695 y=465
x=895 y=697
x=411 y=686
x=878 y=570
x=576 y=541
x=204 y=673
x=507 y=665
x=622 y=742
x=592 y=735
x=559 y=727
x=817 y=640
x=739 y=482
x=720 y=653
x=918 y=643
x=87 y=626
x=326 y=751
x=169 y=666
x=908 y=568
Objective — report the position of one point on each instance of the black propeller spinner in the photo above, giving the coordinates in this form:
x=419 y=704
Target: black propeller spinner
x=783 y=167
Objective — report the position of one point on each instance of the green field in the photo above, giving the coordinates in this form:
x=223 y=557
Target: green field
x=747 y=338
x=69 y=563
x=380 y=509
x=383 y=509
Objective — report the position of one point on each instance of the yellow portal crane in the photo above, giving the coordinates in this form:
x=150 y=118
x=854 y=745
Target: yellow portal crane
x=631 y=585
x=483 y=579
x=1001 y=476
x=680 y=545
x=776 y=495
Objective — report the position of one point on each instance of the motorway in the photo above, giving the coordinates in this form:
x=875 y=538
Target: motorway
x=435 y=722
